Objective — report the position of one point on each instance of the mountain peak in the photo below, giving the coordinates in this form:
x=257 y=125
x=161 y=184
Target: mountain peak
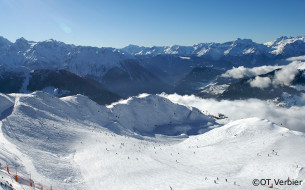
x=22 y=43
x=283 y=38
x=4 y=41
x=51 y=40
x=242 y=41
x=21 y=40
x=132 y=46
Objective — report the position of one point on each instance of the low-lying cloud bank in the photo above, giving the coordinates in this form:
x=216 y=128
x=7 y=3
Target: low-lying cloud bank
x=292 y=118
x=287 y=74
x=260 y=82
x=299 y=58
x=241 y=72
x=283 y=77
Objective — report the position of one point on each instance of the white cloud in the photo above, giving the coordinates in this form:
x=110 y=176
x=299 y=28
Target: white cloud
x=260 y=82
x=299 y=58
x=241 y=72
x=292 y=118
x=286 y=75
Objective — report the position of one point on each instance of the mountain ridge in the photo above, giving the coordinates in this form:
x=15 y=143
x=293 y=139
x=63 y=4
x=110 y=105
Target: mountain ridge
x=168 y=49
x=134 y=69
x=86 y=60
x=216 y=50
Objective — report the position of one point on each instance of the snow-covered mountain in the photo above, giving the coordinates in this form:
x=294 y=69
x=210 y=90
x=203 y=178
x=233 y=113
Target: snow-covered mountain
x=74 y=143
x=52 y=54
x=133 y=69
x=110 y=68
x=82 y=60
x=285 y=46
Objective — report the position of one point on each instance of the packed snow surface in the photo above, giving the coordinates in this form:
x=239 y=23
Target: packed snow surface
x=139 y=143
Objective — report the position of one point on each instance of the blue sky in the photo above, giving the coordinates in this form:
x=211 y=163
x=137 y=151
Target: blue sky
x=117 y=23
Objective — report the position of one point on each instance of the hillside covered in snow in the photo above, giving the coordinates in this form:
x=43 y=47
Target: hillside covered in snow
x=144 y=142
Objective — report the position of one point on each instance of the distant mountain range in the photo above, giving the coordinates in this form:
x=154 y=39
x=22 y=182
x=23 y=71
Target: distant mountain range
x=116 y=73
x=283 y=46
x=84 y=60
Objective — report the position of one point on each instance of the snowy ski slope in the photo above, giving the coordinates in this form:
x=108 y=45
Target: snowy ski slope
x=139 y=143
